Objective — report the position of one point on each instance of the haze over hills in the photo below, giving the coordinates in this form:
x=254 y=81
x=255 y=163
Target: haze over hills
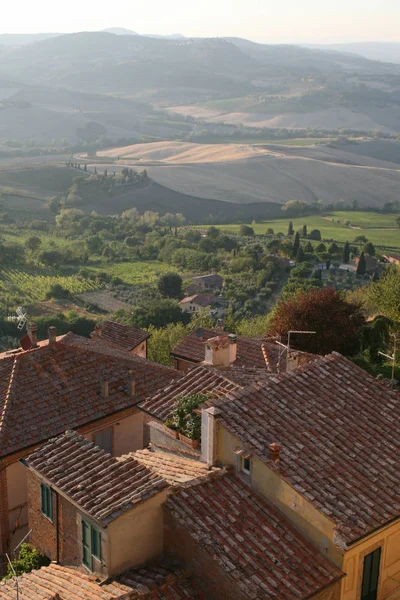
x=383 y=51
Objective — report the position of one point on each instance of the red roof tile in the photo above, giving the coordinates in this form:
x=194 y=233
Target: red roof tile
x=200 y=299
x=154 y=582
x=253 y=543
x=201 y=380
x=121 y=336
x=100 y=484
x=49 y=389
x=340 y=436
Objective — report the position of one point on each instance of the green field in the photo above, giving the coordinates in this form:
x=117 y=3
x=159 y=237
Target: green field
x=379 y=229
x=135 y=273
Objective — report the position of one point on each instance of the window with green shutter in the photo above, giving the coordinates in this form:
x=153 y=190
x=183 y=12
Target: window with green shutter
x=46 y=501
x=91 y=544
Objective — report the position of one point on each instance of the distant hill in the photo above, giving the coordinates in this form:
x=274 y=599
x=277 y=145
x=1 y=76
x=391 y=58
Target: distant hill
x=120 y=31
x=21 y=39
x=383 y=51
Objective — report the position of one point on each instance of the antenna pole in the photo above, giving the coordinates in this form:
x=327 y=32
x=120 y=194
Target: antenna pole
x=392 y=357
x=288 y=344
x=14 y=576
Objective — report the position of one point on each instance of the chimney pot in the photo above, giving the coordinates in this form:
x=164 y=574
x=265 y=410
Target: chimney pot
x=104 y=388
x=131 y=384
x=275 y=451
x=52 y=332
x=32 y=332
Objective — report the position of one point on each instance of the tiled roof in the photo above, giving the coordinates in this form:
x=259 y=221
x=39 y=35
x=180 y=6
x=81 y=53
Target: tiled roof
x=121 y=336
x=340 y=434
x=49 y=389
x=55 y=582
x=197 y=380
x=249 y=352
x=213 y=278
x=174 y=469
x=100 y=484
x=200 y=299
x=253 y=543
x=201 y=380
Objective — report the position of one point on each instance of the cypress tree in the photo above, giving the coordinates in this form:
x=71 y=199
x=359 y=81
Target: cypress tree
x=362 y=265
x=304 y=231
x=296 y=244
x=290 y=228
x=346 y=253
x=300 y=255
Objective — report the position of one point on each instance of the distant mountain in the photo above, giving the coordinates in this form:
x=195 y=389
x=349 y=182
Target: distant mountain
x=120 y=31
x=383 y=51
x=21 y=39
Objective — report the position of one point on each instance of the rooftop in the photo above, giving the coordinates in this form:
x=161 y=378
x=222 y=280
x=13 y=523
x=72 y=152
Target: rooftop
x=99 y=484
x=200 y=299
x=121 y=336
x=340 y=436
x=54 y=387
x=174 y=469
x=164 y=581
x=252 y=542
x=200 y=380
x=213 y=277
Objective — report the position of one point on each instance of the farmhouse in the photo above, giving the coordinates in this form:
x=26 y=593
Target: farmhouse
x=196 y=303
x=66 y=382
x=213 y=282
x=394 y=259
x=116 y=335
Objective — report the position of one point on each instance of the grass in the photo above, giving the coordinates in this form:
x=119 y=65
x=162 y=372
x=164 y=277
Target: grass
x=56 y=179
x=135 y=273
x=371 y=224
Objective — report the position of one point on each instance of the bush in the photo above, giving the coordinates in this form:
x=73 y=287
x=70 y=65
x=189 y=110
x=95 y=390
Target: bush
x=184 y=419
x=28 y=559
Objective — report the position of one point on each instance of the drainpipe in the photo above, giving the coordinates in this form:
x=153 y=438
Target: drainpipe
x=57 y=528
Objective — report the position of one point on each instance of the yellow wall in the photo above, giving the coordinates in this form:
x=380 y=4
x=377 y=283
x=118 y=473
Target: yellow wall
x=17 y=501
x=127 y=434
x=320 y=530
x=136 y=536
x=389 y=575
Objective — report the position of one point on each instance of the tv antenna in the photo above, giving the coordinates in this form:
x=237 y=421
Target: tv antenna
x=392 y=357
x=15 y=576
x=21 y=317
x=287 y=346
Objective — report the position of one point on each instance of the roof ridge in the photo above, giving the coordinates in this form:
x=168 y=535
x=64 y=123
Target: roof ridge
x=9 y=393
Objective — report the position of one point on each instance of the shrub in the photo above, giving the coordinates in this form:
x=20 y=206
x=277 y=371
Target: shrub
x=184 y=419
x=28 y=559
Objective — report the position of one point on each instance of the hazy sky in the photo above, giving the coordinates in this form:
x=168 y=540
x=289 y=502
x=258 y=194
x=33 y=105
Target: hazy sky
x=260 y=20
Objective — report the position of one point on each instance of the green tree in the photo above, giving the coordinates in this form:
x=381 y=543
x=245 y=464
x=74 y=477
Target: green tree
x=309 y=248
x=33 y=243
x=94 y=244
x=304 y=231
x=290 y=228
x=315 y=234
x=346 y=253
x=246 y=231
x=320 y=248
x=384 y=294
x=163 y=340
x=369 y=248
x=29 y=559
x=170 y=285
x=362 y=265
x=300 y=255
x=296 y=244
x=398 y=222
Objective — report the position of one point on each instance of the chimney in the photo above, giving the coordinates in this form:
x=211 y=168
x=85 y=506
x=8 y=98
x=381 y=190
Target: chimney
x=32 y=332
x=104 y=387
x=232 y=347
x=209 y=435
x=52 y=332
x=217 y=351
x=131 y=384
x=275 y=451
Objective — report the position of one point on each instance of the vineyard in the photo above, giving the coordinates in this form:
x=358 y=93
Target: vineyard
x=32 y=285
x=135 y=273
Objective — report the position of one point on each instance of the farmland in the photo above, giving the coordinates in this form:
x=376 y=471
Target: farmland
x=379 y=229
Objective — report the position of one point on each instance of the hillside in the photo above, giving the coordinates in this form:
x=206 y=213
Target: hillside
x=87 y=76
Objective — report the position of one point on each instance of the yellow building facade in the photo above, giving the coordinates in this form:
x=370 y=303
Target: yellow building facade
x=382 y=546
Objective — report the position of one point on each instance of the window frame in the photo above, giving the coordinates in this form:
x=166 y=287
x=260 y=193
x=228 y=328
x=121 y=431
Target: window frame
x=91 y=544
x=46 y=501
x=244 y=470
x=371 y=567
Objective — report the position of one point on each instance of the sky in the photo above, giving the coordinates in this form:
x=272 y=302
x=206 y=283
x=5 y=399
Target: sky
x=267 y=21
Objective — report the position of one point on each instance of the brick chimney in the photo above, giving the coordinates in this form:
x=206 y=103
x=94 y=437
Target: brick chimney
x=217 y=351
x=32 y=332
x=104 y=388
x=275 y=451
x=209 y=435
x=52 y=332
x=131 y=384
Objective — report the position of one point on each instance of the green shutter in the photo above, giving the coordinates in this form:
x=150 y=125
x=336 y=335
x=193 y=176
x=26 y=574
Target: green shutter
x=86 y=543
x=46 y=501
x=96 y=543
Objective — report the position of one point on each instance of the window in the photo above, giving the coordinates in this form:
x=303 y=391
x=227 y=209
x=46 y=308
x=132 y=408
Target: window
x=104 y=440
x=91 y=544
x=246 y=465
x=370 y=580
x=46 y=501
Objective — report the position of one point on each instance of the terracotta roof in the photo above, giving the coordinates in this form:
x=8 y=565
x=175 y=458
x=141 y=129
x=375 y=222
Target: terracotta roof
x=251 y=541
x=174 y=469
x=213 y=278
x=122 y=336
x=249 y=352
x=200 y=299
x=49 y=389
x=100 y=484
x=155 y=582
x=340 y=434
x=201 y=380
